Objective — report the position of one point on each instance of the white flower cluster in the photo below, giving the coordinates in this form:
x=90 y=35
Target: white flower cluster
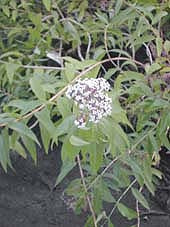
x=91 y=97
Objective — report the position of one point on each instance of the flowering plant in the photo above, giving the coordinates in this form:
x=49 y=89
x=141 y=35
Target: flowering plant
x=92 y=102
x=108 y=106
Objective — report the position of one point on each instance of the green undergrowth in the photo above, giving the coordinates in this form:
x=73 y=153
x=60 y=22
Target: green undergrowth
x=44 y=47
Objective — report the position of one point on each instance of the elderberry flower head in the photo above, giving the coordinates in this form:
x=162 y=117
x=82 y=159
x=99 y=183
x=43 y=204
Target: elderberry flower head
x=91 y=98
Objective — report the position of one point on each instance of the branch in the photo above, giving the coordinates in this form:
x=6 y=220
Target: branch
x=84 y=72
x=86 y=191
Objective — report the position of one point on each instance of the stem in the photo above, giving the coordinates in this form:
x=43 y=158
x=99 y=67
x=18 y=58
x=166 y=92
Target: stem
x=86 y=191
x=34 y=66
x=103 y=172
x=137 y=210
x=117 y=202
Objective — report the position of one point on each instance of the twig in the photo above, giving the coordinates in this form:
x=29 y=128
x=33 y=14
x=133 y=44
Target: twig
x=34 y=124
x=117 y=202
x=102 y=173
x=34 y=66
x=86 y=191
x=79 y=53
x=137 y=210
x=53 y=98
x=148 y=52
x=89 y=45
x=106 y=47
x=60 y=12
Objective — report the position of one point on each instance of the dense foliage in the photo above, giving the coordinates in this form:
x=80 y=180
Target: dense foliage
x=45 y=46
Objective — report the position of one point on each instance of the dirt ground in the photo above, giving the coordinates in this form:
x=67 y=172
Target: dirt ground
x=26 y=199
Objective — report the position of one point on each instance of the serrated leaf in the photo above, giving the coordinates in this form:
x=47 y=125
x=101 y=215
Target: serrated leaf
x=128 y=76
x=31 y=147
x=46 y=137
x=36 y=87
x=138 y=195
x=78 y=142
x=11 y=69
x=23 y=130
x=126 y=212
x=3 y=153
x=119 y=3
x=25 y=105
x=64 y=106
x=47 y=4
x=157 y=173
x=43 y=116
x=65 y=126
x=159 y=46
x=153 y=68
x=65 y=169
x=69 y=152
x=20 y=150
x=5 y=10
x=96 y=156
x=167 y=46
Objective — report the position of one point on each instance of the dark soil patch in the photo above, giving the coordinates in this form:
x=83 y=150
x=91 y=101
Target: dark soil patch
x=27 y=199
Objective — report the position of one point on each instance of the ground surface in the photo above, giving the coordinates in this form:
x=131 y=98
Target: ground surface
x=26 y=201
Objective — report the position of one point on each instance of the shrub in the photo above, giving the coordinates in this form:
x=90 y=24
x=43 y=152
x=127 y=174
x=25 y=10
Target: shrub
x=48 y=47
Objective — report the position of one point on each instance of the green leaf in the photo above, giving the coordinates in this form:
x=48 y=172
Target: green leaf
x=11 y=69
x=23 y=130
x=43 y=116
x=46 y=137
x=25 y=105
x=65 y=126
x=153 y=68
x=70 y=72
x=71 y=30
x=31 y=147
x=110 y=224
x=167 y=46
x=159 y=46
x=69 y=152
x=76 y=141
x=128 y=76
x=20 y=150
x=126 y=212
x=119 y=3
x=138 y=195
x=157 y=173
x=3 y=152
x=96 y=156
x=158 y=17
x=36 y=87
x=5 y=10
x=66 y=168
x=47 y=4
x=64 y=106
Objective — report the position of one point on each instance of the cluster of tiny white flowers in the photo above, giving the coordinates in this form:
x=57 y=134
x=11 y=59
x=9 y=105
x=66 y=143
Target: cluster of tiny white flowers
x=91 y=97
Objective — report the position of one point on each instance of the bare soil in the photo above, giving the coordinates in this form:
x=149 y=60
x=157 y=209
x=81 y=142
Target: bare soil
x=27 y=199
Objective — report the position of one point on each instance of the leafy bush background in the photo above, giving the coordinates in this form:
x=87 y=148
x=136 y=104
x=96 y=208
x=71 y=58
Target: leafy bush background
x=45 y=46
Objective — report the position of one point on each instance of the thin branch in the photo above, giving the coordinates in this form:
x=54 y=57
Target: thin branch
x=117 y=202
x=89 y=45
x=102 y=173
x=148 y=52
x=34 y=66
x=84 y=72
x=86 y=191
x=106 y=46
x=137 y=210
x=79 y=53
